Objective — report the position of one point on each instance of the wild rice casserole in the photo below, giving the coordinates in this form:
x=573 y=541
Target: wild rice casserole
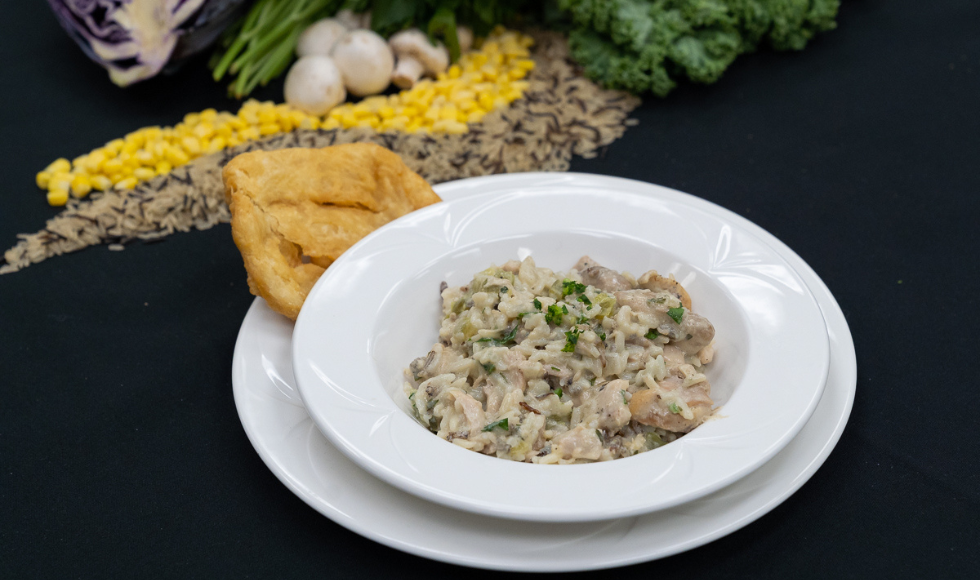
x=545 y=367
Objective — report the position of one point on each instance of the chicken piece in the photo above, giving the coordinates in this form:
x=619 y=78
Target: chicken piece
x=693 y=333
x=468 y=416
x=613 y=411
x=652 y=406
x=601 y=277
x=655 y=282
x=578 y=443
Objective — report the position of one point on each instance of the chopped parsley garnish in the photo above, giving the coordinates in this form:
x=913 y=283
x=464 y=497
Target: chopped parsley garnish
x=585 y=300
x=509 y=337
x=489 y=368
x=502 y=424
x=652 y=334
x=674 y=408
x=522 y=315
x=582 y=320
x=676 y=313
x=412 y=396
x=537 y=304
x=553 y=367
x=572 y=339
x=571 y=287
x=598 y=434
x=602 y=335
x=660 y=300
x=592 y=381
x=625 y=402
x=554 y=314
x=503 y=290
x=558 y=392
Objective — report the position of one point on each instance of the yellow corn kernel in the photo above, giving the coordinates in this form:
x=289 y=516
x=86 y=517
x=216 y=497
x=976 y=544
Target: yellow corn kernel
x=489 y=47
x=116 y=178
x=58 y=197
x=134 y=139
x=163 y=167
x=101 y=182
x=432 y=114
x=152 y=133
x=370 y=123
x=216 y=144
x=249 y=134
x=250 y=117
x=60 y=165
x=191 y=119
x=115 y=146
x=234 y=141
x=454 y=72
x=466 y=105
x=398 y=123
x=77 y=162
x=526 y=64
x=204 y=130
x=475 y=117
x=308 y=123
x=144 y=173
x=191 y=145
x=499 y=103
x=177 y=156
x=145 y=157
x=237 y=123
x=348 y=120
x=209 y=115
x=269 y=129
x=386 y=112
x=517 y=73
x=113 y=165
x=81 y=185
x=127 y=183
x=448 y=113
x=224 y=130
x=129 y=161
x=330 y=123
x=413 y=127
x=42 y=178
x=267 y=116
x=486 y=102
x=130 y=148
x=95 y=160
x=511 y=95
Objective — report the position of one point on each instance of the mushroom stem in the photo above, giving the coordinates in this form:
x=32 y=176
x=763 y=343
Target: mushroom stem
x=407 y=71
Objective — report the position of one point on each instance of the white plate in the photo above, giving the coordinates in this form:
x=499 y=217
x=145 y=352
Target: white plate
x=377 y=308
x=292 y=447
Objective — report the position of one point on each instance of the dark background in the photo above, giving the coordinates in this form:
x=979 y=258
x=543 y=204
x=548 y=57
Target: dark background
x=121 y=453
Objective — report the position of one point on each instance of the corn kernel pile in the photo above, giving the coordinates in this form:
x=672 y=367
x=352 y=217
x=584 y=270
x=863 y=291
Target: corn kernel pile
x=481 y=81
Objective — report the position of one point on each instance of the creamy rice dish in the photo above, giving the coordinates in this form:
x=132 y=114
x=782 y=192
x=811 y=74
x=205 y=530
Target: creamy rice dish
x=546 y=367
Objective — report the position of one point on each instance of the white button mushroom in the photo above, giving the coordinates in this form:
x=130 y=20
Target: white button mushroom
x=314 y=85
x=365 y=62
x=353 y=21
x=416 y=57
x=465 y=36
x=320 y=37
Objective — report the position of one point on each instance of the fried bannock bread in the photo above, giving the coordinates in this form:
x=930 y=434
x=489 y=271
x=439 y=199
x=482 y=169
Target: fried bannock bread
x=294 y=211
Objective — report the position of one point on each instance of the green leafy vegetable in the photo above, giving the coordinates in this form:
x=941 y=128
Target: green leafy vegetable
x=598 y=434
x=652 y=334
x=508 y=338
x=558 y=392
x=489 y=368
x=600 y=334
x=501 y=424
x=537 y=304
x=648 y=45
x=676 y=313
x=584 y=300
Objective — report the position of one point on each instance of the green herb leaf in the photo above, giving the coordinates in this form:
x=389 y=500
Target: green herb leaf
x=582 y=320
x=571 y=287
x=502 y=424
x=571 y=338
x=564 y=309
x=489 y=368
x=598 y=434
x=412 y=396
x=602 y=335
x=443 y=26
x=674 y=408
x=537 y=304
x=558 y=392
x=625 y=402
x=652 y=334
x=585 y=300
x=503 y=290
x=509 y=337
x=554 y=314
x=676 y=313
x=553 y=367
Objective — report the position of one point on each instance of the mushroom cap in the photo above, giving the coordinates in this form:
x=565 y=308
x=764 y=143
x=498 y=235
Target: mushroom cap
x=314 y=85
x=320 y=37
x=365 y=62
x=415 y=44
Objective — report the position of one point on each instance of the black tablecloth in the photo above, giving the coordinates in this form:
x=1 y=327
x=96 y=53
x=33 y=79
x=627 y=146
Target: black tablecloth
x=121 y=453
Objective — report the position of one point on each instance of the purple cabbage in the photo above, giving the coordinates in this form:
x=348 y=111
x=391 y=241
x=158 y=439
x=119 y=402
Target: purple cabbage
x=135 y=39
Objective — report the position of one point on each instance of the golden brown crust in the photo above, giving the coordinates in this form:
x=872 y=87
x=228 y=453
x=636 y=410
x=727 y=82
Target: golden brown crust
x=315 y=203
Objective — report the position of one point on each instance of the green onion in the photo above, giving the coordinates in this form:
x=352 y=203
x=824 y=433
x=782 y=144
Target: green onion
x=572 y=339
x=652 y=334
x=558 y=392
x=676 y=313
x=502 y=424
x=674 y=408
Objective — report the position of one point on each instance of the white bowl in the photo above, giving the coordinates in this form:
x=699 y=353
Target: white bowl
x=378 y=307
